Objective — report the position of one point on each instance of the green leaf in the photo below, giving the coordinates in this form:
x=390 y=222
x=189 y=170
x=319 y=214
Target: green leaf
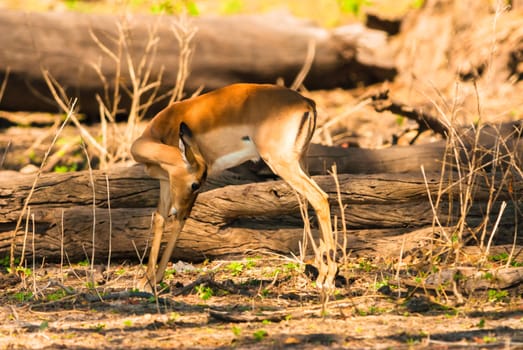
x=260 y=334
x=192 y=8
x=417 y=4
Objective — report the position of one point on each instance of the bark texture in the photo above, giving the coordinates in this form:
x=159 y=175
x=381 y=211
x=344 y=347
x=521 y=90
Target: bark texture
x=229 y=219
x=226 y=50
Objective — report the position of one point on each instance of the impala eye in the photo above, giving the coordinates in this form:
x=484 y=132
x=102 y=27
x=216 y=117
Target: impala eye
x=195 y=186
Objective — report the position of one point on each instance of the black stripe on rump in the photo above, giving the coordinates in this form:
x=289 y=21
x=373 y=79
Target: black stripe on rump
x=306 y=130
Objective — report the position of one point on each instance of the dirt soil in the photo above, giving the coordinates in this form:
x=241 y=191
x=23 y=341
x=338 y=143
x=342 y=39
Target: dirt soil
x=265 y=301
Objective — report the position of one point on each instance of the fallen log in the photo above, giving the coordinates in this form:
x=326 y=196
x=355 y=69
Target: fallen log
x=230 y=219
x=229 y=49
x=20 y=146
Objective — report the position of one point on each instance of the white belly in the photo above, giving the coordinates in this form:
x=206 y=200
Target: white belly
x=246 y=152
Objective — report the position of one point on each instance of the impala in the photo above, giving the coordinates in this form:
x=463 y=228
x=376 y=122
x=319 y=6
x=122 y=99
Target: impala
x=191 y=139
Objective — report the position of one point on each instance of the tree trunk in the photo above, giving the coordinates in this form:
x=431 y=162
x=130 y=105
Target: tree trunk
x=229 y=49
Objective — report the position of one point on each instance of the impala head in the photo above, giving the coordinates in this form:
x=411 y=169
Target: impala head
x=186 y=177
x=183 y=166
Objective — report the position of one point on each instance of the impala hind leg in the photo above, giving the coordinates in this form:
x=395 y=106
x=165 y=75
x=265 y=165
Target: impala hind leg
x=294 y=175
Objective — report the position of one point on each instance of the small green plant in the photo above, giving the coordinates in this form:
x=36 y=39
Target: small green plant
x=71 y=4
x=43 y=325
x=260 y=334
x=65 y=168
x=481 y=323
x=365 y=265
x=84 y=263
x=488 y=339
x=169 y=273
x=192 y=8
x=98 y=327
x=23 y=296
x=488 y=276
x=412 y=341
x=450 y=313
x=379 y=284
x=229 y=7
x=503 y=258
x=165 y=6
x=59 y=294
x=417 y=4
x=119 y=272
x=291 y=266
x=32 y=156
x=127 y=323
x=400 y=120
x=204 y=292
x=237 y=331
x=171 y=7
x=4 y=262
x=237 y=267
x=497 y=295
x=373 y=310
x=361 y=312
x=272 y=272
x=173 y=317
x=21 y=271
x=251 y=262
x=352 y=6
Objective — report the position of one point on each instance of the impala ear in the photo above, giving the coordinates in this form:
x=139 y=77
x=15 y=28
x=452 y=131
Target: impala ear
x=189 y=148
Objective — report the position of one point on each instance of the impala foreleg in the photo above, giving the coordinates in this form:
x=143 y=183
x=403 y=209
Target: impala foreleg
x=151 y=277
x=178 y=223
x=169 y=248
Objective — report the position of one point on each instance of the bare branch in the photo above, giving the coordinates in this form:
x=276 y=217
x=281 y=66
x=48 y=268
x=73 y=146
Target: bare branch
x=4 y=82
x=184 y=31
x=309 y=58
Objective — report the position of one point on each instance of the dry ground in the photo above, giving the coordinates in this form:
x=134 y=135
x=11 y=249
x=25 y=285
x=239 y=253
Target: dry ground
x=265 y=301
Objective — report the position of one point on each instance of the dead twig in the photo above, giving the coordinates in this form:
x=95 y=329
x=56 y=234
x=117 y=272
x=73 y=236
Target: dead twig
x=309 y=58
x=4 y=82
x=381 y=102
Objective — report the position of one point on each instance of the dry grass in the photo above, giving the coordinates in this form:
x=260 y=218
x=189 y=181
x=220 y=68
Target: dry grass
x=111 y=144
x=25 y=210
